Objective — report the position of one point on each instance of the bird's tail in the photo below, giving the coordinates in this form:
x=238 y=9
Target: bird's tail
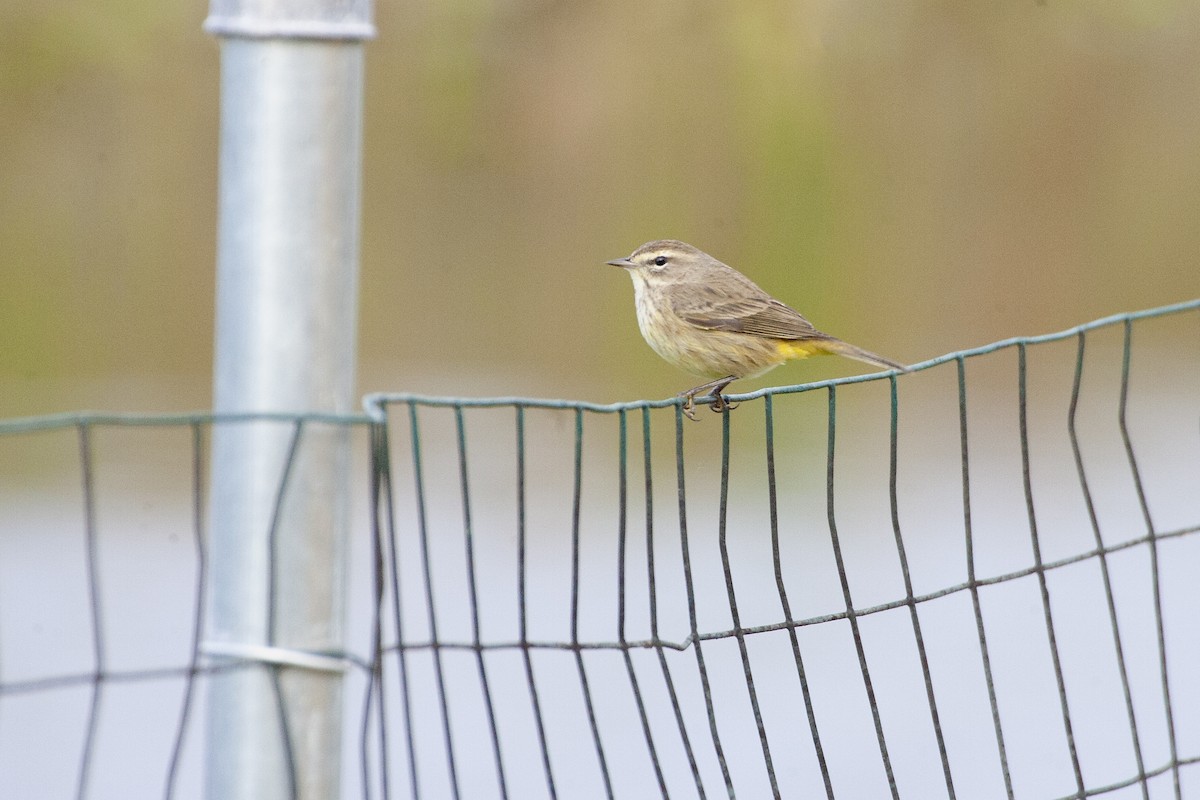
x=838 y=347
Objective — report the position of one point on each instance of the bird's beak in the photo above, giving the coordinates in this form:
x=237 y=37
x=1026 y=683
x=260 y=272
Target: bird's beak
x=624 y=263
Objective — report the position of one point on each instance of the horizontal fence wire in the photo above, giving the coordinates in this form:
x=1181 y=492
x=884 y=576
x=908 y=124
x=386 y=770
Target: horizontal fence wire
x=688 y=642
x=689 y=695
x=375 y=404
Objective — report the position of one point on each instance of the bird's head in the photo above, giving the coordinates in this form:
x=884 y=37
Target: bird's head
x=665 y=261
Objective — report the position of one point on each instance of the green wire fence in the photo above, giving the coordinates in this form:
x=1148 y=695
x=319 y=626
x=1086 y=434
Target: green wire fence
x=974 y=581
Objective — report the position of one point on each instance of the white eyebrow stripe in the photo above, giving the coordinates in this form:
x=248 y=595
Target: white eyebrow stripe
x=663 y=251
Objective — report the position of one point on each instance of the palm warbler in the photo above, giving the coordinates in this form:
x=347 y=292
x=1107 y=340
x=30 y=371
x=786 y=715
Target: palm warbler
x=708 y=319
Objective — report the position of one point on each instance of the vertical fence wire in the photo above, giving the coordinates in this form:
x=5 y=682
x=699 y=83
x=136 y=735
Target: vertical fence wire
x=576 y=509
x=201 y=585
x=972 y=580
x=693 y=622
x=384 y=466
x=285 y=728
x=910 y=600
x=473 y=601
x=785 y=606
x=1156 y=584
x=1039 y=565
x=91 y=540
x=1102 y=560
x=375 y=696
x=652 y=586
x=622 y=639
x=851 y=614
x=430 y=593
x=739 y=634
x=523 y=606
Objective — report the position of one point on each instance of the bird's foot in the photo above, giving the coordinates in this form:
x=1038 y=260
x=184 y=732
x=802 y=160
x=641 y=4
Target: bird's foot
x=689 y=406
x=719 y=403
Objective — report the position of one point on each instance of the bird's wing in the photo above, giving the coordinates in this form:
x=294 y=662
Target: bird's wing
x=760 y=315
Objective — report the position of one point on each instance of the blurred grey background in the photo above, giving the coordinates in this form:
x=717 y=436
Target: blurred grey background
x=915 y=178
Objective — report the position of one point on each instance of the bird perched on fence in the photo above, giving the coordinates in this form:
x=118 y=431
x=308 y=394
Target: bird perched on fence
x=708 y=319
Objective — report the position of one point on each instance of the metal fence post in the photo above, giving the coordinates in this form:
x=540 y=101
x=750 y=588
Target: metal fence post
x=287 y=285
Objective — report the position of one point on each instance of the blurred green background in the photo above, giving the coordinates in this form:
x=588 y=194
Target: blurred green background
x=915 y=177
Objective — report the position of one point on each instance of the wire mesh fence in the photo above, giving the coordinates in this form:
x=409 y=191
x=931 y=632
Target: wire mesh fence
x=974 y=581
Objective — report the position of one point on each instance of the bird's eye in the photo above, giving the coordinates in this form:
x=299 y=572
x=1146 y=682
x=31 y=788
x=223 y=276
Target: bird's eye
x=660 y=261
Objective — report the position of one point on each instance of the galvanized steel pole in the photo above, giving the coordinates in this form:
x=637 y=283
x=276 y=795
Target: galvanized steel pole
x=286 y=331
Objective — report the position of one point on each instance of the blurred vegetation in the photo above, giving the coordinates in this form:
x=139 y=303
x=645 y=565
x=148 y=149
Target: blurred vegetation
x=914 y=177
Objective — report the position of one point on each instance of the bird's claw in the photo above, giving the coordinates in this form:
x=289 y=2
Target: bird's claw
x=720 y=404
x=689 y=406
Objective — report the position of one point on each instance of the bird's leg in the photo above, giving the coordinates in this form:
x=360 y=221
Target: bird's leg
x=719 y=403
